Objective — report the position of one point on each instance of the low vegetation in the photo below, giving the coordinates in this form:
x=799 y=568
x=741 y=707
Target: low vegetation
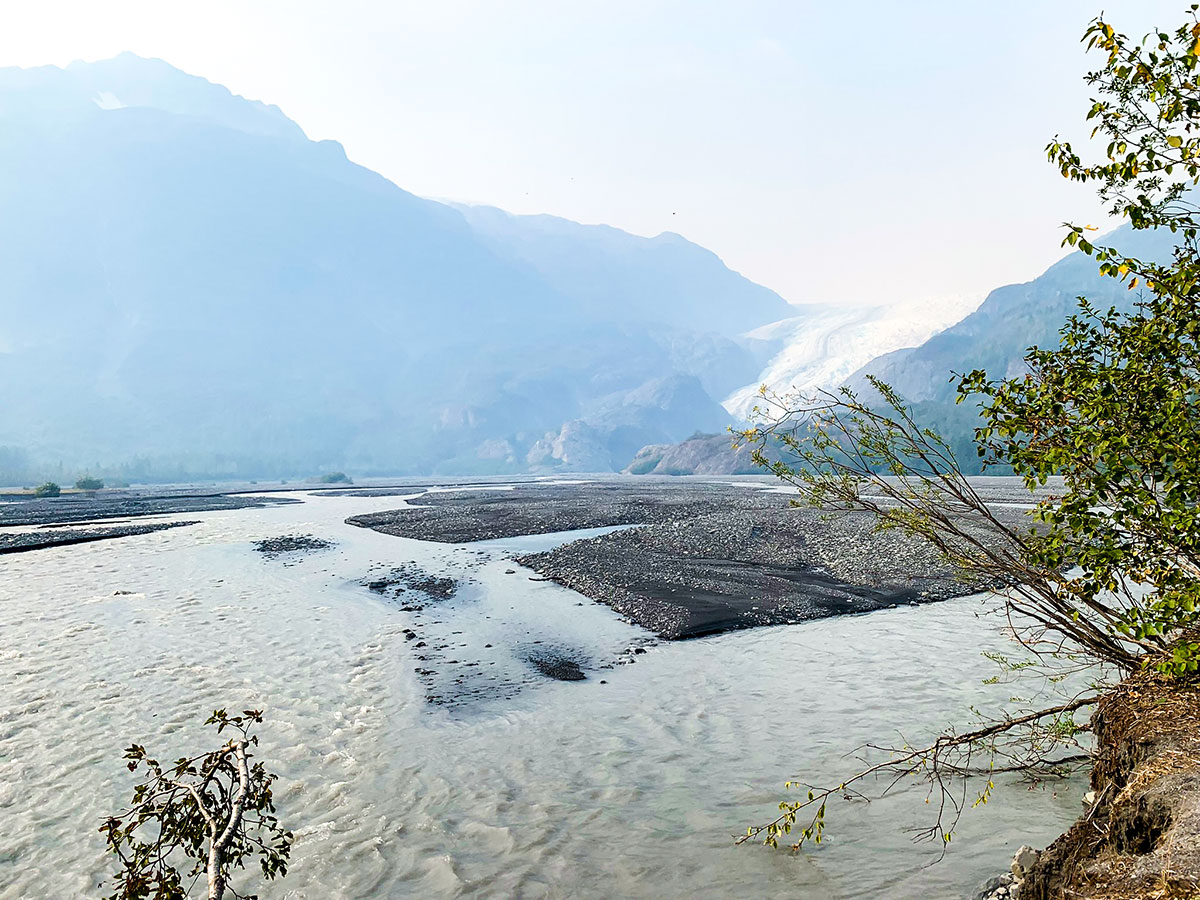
x=88 y=483
x=48 y=489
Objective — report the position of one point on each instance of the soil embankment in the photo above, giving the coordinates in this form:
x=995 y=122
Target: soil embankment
x=1139 y=838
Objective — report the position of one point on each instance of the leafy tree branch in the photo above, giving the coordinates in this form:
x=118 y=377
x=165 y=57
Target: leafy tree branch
x=197 y=820
x=1106 y=569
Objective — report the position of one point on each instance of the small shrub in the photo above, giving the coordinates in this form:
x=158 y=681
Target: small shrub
x=88 y=483
x=335 y=478
x=49 y=489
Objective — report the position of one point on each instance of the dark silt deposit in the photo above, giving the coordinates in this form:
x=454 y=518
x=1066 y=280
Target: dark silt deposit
x=20 y=542
x=710 y=557
x=291 y=543
x=402 y=582
x=122 y=503
x=556 y=665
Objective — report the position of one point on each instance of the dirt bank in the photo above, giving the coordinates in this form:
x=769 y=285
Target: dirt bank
x=1140 y=837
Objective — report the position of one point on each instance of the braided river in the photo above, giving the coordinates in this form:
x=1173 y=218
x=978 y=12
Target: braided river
x=420 y=753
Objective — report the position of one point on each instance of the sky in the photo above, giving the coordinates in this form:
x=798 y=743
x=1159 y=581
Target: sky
x=846 y=152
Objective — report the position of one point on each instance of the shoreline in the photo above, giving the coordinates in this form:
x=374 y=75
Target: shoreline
x=704 y=547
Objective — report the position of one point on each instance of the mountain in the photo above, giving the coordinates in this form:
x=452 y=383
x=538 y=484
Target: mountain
x=604 y=270
x=62 y=96
x=816 y=350
x=995 y=337
x=192 y=287
x=1012 y=318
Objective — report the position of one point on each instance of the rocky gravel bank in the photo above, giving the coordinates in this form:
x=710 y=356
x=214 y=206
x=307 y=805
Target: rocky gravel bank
x=23 y=541
x=709 y=557
x=24 y=509
x=463 y=516
x=738 y=568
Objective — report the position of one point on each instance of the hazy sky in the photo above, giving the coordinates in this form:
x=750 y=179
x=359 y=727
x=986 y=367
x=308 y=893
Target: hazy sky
x=847 y=151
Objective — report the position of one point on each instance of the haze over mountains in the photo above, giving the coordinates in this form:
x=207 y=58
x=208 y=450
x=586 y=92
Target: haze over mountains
x=193 y=288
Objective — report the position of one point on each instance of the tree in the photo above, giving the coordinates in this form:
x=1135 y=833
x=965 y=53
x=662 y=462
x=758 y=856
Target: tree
x=202 y=817
x=48 y=489
x=88 y=483
x=1108 y=569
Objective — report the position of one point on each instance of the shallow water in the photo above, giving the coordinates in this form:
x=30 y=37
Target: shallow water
x=520 y=786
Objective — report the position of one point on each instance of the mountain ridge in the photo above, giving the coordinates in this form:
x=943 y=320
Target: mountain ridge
x=196 y=289
x=994 y=337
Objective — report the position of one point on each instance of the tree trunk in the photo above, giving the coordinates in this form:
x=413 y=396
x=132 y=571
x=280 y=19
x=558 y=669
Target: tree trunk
x=216 y=880
x=216 y=848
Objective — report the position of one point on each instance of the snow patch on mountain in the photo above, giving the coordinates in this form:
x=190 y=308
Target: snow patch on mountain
x=821 y=346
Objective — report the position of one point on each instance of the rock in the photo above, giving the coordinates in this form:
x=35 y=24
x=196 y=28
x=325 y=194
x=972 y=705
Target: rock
x=1089 y=798
x=701 y=454
x=1024 y=860
x=411 y=577
x=1002 y=887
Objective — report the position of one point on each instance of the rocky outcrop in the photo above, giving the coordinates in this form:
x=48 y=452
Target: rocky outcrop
x=701 y=454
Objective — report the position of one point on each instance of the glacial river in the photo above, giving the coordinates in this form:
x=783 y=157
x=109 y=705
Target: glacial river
x=521 y=786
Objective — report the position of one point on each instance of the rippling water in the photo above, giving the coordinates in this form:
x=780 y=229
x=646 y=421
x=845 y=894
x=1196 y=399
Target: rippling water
x=529 y=788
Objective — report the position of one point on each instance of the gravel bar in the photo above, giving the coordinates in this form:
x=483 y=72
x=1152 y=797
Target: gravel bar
x=712 y=557
x=120 y=504
x=21 y=542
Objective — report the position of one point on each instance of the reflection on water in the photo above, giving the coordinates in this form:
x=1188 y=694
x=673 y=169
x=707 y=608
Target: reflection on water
x=529 y=787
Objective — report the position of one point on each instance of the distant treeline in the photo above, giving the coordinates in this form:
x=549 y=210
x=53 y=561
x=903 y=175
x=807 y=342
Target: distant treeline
x=20 y=468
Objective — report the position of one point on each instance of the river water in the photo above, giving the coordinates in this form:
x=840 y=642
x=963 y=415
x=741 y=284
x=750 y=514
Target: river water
x=518 y=786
